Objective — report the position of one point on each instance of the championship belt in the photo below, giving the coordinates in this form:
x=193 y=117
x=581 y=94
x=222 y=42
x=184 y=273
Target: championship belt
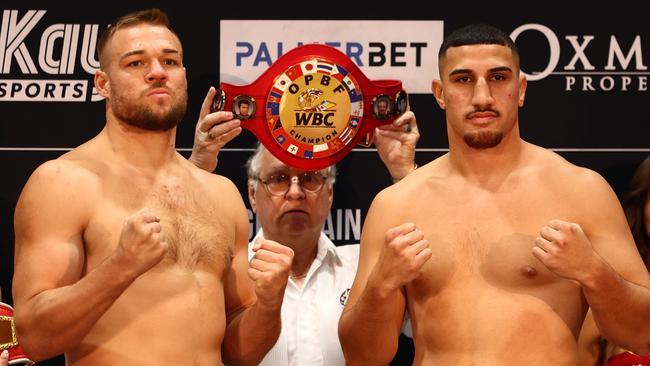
x=8 y=340
x=312 y=106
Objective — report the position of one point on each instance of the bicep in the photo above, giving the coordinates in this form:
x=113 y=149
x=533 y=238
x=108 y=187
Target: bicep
x=372 y=241
x=615 y=244
x=610 y=235
x=49 y=247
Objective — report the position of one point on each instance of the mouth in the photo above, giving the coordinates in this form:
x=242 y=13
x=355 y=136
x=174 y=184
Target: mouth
x=294 y=212
x=158 y=92
x=482 y=117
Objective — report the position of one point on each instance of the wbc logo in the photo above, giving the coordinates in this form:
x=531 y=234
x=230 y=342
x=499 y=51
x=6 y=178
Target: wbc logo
x=314 y=108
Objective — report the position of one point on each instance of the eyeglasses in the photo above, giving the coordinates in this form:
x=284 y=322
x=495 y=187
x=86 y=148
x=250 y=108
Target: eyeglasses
x=279 y=184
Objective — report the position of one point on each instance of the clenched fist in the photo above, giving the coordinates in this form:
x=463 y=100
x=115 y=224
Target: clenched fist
x=269 y=268
x=404 y=253
x=141 y=244
x=564 y=249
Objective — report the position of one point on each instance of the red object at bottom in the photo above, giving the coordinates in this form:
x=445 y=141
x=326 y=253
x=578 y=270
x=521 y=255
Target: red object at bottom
x=8 y=340
x=628 y=359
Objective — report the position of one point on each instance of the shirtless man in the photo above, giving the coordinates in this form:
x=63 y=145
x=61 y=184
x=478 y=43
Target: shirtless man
x=498 y=247
x=126 y=253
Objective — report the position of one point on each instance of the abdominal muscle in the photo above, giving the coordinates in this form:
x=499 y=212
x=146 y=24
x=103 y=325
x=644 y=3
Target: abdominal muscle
x=168 y=316
x=476 y=323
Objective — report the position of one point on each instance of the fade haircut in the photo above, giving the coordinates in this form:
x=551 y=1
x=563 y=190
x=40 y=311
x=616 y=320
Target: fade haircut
x=152 y=16
x=474 y=34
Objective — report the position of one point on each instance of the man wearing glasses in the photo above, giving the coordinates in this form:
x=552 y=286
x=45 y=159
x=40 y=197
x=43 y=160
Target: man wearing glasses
x=292 y=206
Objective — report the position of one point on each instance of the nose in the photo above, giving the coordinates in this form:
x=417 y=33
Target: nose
x=156 y=72
x=482 y=97
x=295 y=189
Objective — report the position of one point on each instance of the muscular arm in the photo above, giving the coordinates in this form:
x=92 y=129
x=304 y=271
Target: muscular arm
x=253 y=296
x=617 y=287
x=55 y=306
x=612 y=275
x=371 y=322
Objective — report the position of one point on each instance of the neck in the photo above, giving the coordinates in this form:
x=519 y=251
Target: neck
x=484 y=166
x=141 y=148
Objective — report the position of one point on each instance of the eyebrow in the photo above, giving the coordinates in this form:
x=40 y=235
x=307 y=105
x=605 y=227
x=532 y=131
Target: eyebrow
x=501 y=68
x=469 y=71
x=141 y=52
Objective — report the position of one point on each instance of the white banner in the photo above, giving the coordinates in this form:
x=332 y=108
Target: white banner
x=403 y=50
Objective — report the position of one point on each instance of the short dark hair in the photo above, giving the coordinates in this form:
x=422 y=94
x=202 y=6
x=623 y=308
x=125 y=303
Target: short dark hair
x=634 y=204
x=478 y=34
x=149 y=16
x=243 y=101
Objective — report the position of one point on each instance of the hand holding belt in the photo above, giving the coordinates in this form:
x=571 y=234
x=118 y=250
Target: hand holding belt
x=8 y=340
x=312 y=106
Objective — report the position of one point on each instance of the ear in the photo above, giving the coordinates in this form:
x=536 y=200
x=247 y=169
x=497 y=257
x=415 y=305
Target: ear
x=523 y=84
x=251 y=195
x=102 y=84
x=438 y=93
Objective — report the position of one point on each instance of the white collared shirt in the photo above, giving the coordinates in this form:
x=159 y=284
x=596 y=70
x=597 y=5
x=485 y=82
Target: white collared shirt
x=310 y=315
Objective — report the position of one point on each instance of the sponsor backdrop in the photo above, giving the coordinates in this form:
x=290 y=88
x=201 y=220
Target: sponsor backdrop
x=587 y=96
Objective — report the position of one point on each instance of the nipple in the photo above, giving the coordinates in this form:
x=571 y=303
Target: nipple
x=528 y=271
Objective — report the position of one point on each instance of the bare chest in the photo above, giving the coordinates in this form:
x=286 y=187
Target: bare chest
x=486 y=239
x=197 y=236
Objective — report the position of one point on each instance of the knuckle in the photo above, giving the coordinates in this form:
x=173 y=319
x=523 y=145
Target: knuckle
x=403 y=255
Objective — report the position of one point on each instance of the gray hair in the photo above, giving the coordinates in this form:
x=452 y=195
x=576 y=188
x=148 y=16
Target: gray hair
x=254 y=166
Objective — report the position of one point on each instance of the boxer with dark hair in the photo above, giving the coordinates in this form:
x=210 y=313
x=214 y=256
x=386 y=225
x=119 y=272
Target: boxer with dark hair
x=128 y=254
x=498 y=247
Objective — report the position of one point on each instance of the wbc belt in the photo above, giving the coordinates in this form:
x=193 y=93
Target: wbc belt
x=312 y=106
x=8 y=340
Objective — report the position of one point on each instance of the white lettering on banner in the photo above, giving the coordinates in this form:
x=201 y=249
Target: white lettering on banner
x=404 y=50
x=341 y=224
x=43 y=90
x=623 y=71
x=58 y=52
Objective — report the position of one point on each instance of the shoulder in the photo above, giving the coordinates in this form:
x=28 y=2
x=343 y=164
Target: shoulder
x=218 y=192
x=61 y=190
x=217 y=186
x=551 y=167
x=583 y=193
x=429 y=179
x=209 y=179
x=68 y=172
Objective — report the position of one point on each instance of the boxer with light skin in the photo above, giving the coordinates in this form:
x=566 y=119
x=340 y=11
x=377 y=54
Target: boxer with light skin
x=498 y=247
x=128 y=254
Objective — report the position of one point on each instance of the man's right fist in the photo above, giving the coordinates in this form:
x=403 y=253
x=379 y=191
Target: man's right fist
x=141 y=243
x=404 y=253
